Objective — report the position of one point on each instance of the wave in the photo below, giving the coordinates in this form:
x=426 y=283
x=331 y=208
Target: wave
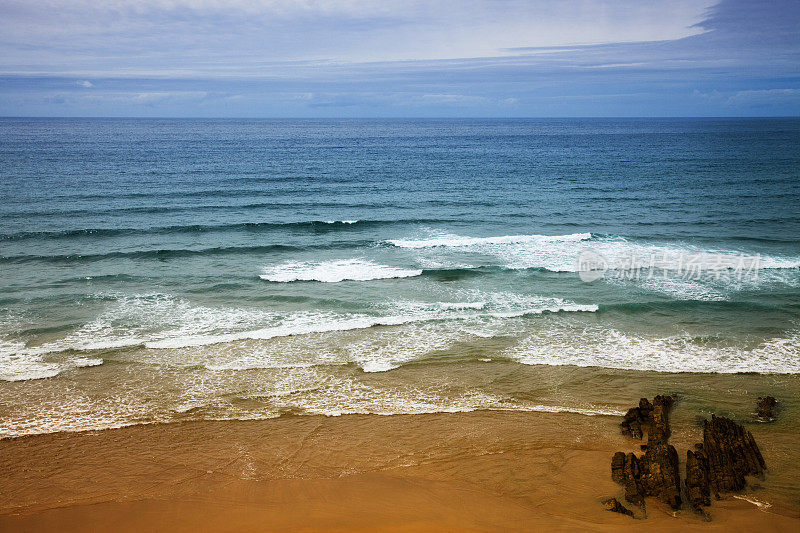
x=559 y=253
x=335 y=271
x=460 y=241
x=311 y=225
x=87 y=419
x=133 y=320
x=14 y=367
x=304 y=324
x=608 y=347
x=680 y=270
x=298 y=203
x=172 y=253
x=303 y=391
x=684 y=305
x=161 y=321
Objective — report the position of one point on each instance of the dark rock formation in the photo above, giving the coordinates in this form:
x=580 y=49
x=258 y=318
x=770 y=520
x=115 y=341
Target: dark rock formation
x=660 y=474
x=638 y=419
x=765 y=407
x=656 y=472
x=626 y=471
x=732 y=454
x=698 y=488
x=659 y=431
x=728 y=454
x=613 y=505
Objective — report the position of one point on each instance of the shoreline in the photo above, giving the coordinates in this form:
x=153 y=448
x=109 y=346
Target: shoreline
x=469 y=471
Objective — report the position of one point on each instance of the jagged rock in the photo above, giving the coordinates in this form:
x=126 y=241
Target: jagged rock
x=765 y=407
x=613 y=505
x=728 y=454
x=626 y=471
x=659 y=431
x=698 y=489
x=732 y=454
x=661 y=475
x=638 y=419
x=656 y=473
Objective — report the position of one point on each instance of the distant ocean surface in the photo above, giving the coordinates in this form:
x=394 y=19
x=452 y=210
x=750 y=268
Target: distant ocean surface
x=160 y=270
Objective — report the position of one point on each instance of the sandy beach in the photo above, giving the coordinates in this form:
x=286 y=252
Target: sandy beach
x=478 y=471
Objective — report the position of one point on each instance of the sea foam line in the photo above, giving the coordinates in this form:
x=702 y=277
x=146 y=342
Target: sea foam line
x=160 y=321
x=353 y=323
x=612 y=348
x=335 y=271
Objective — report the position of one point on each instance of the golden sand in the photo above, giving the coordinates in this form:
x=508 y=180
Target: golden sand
x=479 y=471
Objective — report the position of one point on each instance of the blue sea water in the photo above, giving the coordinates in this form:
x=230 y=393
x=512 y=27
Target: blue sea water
x=153 y=269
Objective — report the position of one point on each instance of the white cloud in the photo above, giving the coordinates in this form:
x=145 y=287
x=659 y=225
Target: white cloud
x=84 y=83
x=233 y=37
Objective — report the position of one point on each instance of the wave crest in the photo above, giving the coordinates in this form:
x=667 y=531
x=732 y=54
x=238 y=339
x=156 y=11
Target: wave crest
x=335 y=271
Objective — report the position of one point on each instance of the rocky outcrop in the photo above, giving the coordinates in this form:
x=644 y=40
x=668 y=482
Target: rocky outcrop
x=728 y=454
x=612 y=504
x=659 y=431
x=732 y=454
x=638 y=419
x=765 y=408
x=698 y=487
x=655 y=473
x=661 y=474
x=626 y=471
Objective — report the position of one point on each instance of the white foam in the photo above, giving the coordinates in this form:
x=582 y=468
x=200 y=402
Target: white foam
x=21 y=368
x=397 y=313
x=379 y=351
x=84 y=362
x=73 y=411
x=340 y=396
x=575 y=308
x=428 y=327
x=504 y=304
x=133 y=320
x=611 y=348
x=680 y=270
x=28 y=367
x=309 y=390
x=298 y=324
x=681 y=289
x=162 y=321
x=462 y=305
x=763 y=506
x=335 y=271
x=385 y=351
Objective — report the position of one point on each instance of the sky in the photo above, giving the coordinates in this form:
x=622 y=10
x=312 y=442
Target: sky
x=399 y=58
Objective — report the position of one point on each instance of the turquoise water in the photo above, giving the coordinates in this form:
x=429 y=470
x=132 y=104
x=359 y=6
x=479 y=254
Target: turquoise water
x=234 y=268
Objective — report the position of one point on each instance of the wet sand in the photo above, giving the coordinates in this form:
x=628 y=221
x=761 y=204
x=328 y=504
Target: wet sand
x=478 y=471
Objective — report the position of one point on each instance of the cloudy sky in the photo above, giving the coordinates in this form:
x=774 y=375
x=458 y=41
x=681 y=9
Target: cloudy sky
x=413 y=58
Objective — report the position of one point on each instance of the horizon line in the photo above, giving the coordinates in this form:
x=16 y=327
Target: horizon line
x=399 y=117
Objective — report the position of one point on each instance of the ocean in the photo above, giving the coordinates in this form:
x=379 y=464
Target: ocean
x=167 y=270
